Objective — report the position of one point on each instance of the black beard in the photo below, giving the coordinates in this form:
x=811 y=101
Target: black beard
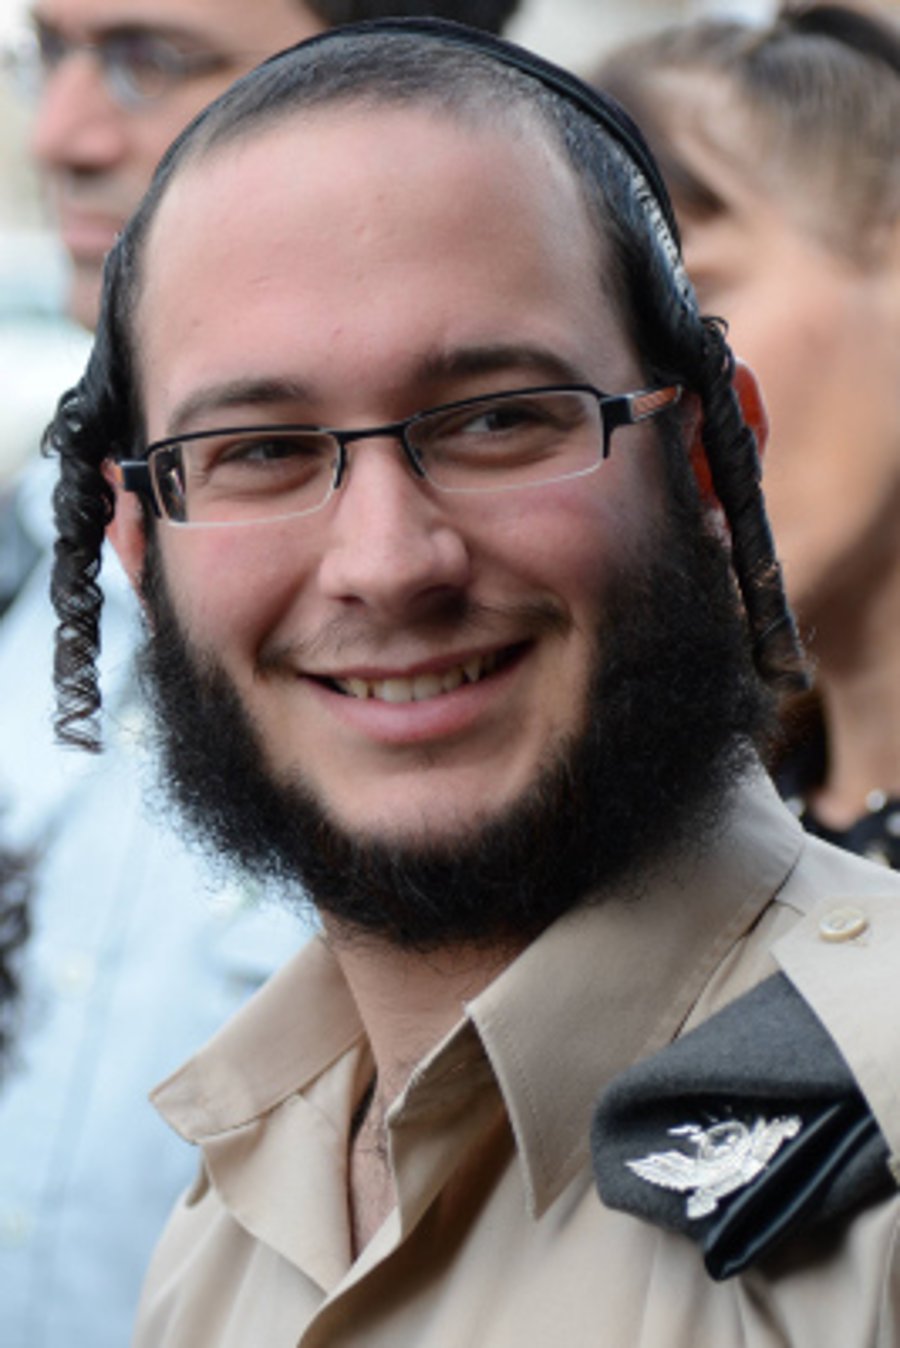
x=673 y=709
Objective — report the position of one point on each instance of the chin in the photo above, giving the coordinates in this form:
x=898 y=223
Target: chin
x=440 y=828
x=440 y=810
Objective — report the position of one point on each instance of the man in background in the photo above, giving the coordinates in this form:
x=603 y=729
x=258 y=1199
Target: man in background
x=137 y=953
x=121 y=80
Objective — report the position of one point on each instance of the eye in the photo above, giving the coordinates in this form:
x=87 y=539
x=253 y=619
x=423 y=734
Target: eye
x=266 y=458
x=528 y=421
x=145 y=65
x=147 y=59
x=267 y=449
x=509 y=415
x=500 y=420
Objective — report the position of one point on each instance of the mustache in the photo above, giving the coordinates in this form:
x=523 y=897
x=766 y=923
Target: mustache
x=355 y=636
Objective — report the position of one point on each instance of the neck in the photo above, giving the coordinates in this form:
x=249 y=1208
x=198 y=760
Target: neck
x=409 y=1000
x=859 y=676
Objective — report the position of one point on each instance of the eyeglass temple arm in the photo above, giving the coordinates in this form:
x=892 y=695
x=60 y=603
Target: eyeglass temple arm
x=134 y=475
x=628 y=409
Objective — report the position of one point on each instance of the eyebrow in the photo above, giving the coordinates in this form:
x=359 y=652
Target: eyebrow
x=233 y=393
x=126 y=26
x=500 y=358
x=443 y=367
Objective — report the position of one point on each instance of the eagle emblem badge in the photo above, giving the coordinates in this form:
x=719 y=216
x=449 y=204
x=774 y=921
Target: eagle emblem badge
x=726 y=1156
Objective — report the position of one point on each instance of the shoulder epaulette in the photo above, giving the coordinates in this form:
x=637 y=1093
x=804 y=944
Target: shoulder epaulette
x=742 y=1133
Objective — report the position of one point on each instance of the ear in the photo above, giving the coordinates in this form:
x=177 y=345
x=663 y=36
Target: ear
x=746 y=387
x=126 y=531
x=749 y=395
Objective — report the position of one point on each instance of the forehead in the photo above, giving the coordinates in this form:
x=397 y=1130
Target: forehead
x=358 y=240
x=259 y=27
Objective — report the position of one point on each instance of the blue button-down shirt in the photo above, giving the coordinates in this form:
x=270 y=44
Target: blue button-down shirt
x=139 y=952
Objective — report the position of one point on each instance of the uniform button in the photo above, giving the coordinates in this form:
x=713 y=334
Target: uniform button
x=843 y=924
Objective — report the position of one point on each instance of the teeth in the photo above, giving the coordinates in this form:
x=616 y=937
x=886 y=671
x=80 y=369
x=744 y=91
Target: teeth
x=426 y=685
x=393 y=690
x=452 y=679
x=422 y=686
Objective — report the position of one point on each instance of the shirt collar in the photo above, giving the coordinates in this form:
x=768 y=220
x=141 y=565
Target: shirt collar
x=603 y=986
x=609 y=983
x=301 y=1021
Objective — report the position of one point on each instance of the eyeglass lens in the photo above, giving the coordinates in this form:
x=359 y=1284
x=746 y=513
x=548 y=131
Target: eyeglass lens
x=138 y=65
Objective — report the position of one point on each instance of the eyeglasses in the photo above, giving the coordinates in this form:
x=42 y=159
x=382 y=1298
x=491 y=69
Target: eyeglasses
x=138 y=65
x=502 y=442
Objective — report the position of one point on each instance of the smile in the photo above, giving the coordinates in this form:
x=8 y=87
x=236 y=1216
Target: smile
x=420 y=687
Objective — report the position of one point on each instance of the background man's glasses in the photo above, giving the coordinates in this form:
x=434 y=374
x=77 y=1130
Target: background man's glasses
x=503 y=442
x=138 y=65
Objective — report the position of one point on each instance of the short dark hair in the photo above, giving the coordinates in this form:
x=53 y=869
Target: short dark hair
x=489 y=15
x=102 y=417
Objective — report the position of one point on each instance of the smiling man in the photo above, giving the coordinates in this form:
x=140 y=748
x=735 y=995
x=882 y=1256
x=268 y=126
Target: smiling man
x=393 y=417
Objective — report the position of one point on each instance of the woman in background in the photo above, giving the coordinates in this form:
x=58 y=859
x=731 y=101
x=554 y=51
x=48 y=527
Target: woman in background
x=781 y=146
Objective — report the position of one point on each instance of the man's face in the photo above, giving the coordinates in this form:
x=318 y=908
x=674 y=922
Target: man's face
x=96 y=155
x=414 y=658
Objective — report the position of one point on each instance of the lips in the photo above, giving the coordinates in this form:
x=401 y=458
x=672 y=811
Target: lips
x=419 y=687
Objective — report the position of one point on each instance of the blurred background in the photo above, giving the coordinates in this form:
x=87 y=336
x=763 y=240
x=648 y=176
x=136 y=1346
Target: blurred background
x=41 y=353
x=39 y=350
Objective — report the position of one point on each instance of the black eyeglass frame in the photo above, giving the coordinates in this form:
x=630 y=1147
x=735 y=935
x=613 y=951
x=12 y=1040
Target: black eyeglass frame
x=616 y=410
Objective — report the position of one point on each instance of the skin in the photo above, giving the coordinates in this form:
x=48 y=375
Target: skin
x=364 y=296
x=822 y=331
x=380 y=263
x=96 y=157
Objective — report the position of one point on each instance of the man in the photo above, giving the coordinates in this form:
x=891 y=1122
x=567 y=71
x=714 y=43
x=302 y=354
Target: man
x=121 y=908
x=447 y=633
x=123 y=79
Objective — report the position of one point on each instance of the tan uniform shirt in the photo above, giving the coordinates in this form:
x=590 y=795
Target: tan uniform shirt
x=499 y=1239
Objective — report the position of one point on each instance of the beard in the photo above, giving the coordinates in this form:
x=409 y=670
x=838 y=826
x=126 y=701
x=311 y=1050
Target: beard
x=672 y=711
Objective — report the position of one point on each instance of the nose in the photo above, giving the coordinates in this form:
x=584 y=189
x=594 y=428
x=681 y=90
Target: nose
x=390 y=543
x=77 y=125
